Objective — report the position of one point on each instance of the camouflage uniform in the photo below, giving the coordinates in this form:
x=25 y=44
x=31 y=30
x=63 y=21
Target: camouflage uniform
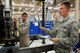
x=23 y=28
x=56 y=24
x=67 y=32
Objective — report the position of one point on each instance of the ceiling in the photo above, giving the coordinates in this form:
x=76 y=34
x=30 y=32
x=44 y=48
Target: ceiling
x=32 y=6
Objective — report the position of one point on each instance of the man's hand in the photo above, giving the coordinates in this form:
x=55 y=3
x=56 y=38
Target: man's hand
x=55 y=40
x=42 y=28
x=78 y=51
x=79 y=30
x=15 y=19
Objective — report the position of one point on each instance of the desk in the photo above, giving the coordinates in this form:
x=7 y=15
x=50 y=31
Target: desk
x=35 y=47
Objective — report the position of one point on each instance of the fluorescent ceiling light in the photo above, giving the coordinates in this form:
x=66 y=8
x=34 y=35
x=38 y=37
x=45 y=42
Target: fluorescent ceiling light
x=32 y=9
x=20 y=8
x=25 y=8
x=13 y=12
x=71 y=5
x=12 y=2
x=13 y=8
x=56 y=8
x=40 y=8
x=50 y=1
x=2 y=2
x=50 y=7
x=22 y=3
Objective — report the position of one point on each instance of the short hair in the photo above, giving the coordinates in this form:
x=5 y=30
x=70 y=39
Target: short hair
x=67 y=4
x=24 y=14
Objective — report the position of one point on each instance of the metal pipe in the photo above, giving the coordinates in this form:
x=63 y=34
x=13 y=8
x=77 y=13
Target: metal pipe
x=77 y=10
x=43 y=21
x=7 y=4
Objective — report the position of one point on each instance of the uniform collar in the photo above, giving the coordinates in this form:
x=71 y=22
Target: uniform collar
x=66 y=18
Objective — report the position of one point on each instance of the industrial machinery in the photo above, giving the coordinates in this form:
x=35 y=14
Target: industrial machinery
x=9 y=38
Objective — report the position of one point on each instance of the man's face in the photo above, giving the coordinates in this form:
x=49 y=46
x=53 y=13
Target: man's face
x=24 y=17
x=64 y=10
